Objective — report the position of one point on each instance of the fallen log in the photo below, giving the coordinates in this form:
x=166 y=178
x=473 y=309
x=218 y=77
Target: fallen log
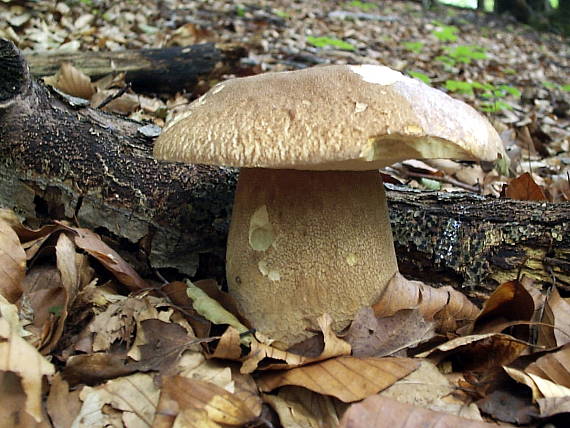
x=63 y=161
x=148 y=71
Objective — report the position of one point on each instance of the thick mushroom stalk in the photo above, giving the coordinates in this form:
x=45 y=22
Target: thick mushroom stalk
x=304 y=243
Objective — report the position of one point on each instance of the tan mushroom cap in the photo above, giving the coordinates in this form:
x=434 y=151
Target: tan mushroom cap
x=335 y=117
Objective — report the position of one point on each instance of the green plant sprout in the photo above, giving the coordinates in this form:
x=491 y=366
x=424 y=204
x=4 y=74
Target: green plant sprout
x=446 y=33
x=552 y=85
x=420 y=76
x=323 y=42
x=462 y=54
x=281 y=14
x=490 y=93
x=362 y=5
x=414 y=46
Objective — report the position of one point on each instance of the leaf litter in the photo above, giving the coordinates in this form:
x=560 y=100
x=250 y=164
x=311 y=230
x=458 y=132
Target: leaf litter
x=89 y=342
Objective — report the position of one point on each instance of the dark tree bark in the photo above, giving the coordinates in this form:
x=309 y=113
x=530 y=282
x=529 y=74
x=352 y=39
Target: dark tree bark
x=155 y=71
x=59 y=161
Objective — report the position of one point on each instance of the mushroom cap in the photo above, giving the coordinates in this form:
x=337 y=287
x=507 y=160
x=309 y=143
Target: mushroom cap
x=337 y=117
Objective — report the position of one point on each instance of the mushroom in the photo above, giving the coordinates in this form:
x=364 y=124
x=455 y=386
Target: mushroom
x=310 y=231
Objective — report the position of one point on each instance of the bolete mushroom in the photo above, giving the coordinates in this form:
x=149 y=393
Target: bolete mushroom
x=310 y=232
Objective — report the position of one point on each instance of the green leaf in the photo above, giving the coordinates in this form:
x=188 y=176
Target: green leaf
x=549 y=85
x=420 y=76
x=414 y=46
x=362 y=5
x=459 y=86
x=281 y=14
x=322 y=42
x=446 y=60
x=465 y=54
x=510 y=90
x=430 y=184
x=495 y=106
x=446 y=33
x=565 y=88
x=213 y=311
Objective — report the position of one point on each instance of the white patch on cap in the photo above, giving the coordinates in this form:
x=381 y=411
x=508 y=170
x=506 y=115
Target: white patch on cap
x=378 y=74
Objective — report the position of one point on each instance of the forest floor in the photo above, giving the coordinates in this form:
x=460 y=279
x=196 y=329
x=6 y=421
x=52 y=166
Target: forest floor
x=78 y=350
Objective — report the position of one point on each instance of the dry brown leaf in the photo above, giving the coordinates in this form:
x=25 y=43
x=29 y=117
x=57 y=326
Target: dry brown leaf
x=333 y=346
x=402 y=293
x=20 y=358
x=553 y=406
x=63 y=405
x=427 y=387
x=346 y=378
x=560 y=309
x=164 y=344
x=300 y=408
x=12 y=263
x=91 y=369
x=509 y=302
x=524 y=188
x=372 y=336
x=229 y=345
x=72 y=81
x=478 y=351
x=13 y=404
x=382 y=412
x=508 y=406
x=554 y=366
x=193 y=395
x=540 y=387
x=126 y=103
x=111 y=260
x=135 y=396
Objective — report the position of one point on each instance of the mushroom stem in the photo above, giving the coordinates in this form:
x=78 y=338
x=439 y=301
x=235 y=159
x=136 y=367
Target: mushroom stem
x=304 y=243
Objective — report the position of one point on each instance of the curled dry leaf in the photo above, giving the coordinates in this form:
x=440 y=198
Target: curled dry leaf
x=183 y=398
x=382 y=412
x=346 y=378
x=12 y=263
x=553 y=406
x=72 y=81
x=20 y=358
x=524 y=188
x=560 y=309
x=298 y=408
x=333 y=347
x=554 y=366
x=63 y=405
x=509 y=302
x=136 y=396
x=478 y=352
x=540 y=387
x=109 y=258
x=405 y=294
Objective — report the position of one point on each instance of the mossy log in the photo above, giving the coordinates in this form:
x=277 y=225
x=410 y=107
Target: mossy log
x=63 y=161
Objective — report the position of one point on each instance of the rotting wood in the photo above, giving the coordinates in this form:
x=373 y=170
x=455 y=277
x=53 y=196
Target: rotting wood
x=63 y=162
x=155 y=71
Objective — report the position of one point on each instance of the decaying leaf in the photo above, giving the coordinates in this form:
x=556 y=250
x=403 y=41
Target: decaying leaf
x=12 y=263
x=278 y=359
x=382 y=412
x=553 y=366
x=93 y=245
x=478 y=351
x=524 y=188
x=427 y=387
x=402 y=293
x=346 y=378
x=72 y=81
x=299 y=408
x=509 y=302
x=20 y=358
x=63 y=405
x=136 y=396
x=372 y=336
x=182 y=398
